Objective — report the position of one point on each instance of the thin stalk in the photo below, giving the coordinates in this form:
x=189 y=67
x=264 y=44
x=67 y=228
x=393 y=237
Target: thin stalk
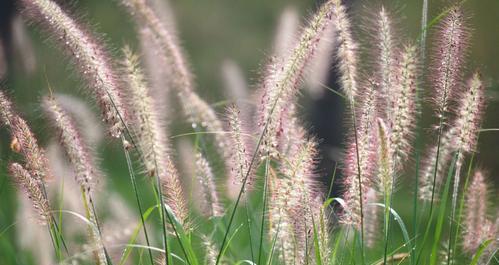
x=461 y=204
x=139 y=204
x=249 y=226
x=455 y=190
x=264 y=207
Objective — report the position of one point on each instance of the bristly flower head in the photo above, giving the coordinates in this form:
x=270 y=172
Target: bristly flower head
x=211 y=203
x=198 y=111
x=88 y=55
x=32 y=187
x=360 y=157
x=402 y=108
x=284 y=75
x=240 y=160
x=476 y=226
x=347 y=51
x=150 y=136
x=75 y=147
x=448 y=59
x=386 y=172
x=386 y=49
x=469 y=114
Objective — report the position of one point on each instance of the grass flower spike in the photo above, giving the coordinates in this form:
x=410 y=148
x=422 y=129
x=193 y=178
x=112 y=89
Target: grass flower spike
x=151 y=137
x=31 y=186
x=87 y=54
x=212 y=206
x=283 y=77
x=75 y=147
x=449 y=58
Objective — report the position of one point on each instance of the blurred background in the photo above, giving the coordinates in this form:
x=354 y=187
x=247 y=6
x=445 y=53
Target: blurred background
x=214 y=33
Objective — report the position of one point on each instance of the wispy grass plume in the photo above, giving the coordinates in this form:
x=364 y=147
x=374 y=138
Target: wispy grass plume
x=87 y=54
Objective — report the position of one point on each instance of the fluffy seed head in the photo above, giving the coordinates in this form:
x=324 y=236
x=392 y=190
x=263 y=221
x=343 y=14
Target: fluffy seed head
x=469 y=116
x=448 y=59
x=75 y=147
x=347 y=50
x=151 y=139
x=6 y=110
x=34 y=156
x=386 y=47
x=360 y=158
x=240 y=160
x=212 y=206
x=476 y=226
x=386 y=173
x=402 y=109
x=372 y=222
x=283 y=77
x=32 y=187
x=87 y=54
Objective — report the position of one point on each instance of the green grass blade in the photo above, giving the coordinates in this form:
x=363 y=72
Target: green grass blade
x=480 y=251
x=441 y=215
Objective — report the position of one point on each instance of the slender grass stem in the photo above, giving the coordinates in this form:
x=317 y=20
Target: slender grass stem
x=139 y=204
x=264 y=208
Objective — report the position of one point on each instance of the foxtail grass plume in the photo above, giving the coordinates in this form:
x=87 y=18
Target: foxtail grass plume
x=283 y=77
x=195 y=108
x=360 y=158
x=476 y=226
x=469 y=114
x=6 y=110
x=449 y=58
x=372 y=220
x=386 y=48
x=402 y=107
x=293 y=195
x=89 y=57
x=386 y=172
x=241 y=155
x=151 y=138
x=75 y=147
x=205 y=177
x=346 y=52
x=460 y=137
x=34 y=156
x=32 y=188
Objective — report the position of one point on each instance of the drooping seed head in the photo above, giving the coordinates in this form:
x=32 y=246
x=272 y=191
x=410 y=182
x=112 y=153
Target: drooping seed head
x=151 y=138
x=34 y=156
x=32 y=187
x=89 y=57
x=75 y=147
x=283 y=77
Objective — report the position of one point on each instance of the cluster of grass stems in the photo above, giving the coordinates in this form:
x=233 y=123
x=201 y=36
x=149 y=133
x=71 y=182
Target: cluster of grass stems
x=248 y=191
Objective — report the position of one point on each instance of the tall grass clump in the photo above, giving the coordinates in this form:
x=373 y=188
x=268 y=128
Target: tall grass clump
x=254 y=172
